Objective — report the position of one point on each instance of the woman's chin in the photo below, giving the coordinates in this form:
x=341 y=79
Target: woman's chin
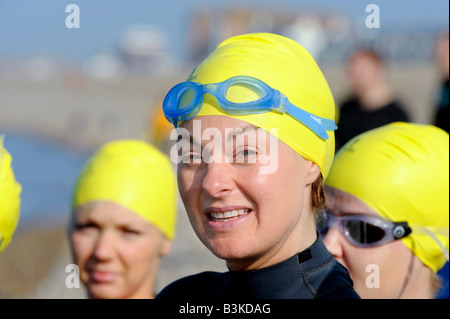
x=230 y=252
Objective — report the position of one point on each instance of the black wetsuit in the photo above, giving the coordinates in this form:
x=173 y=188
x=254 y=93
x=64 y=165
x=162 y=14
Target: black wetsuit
x=441 y=116
x=313 y=273
x=354 y=119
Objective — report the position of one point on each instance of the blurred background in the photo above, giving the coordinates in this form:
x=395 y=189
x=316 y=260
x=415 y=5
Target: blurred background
x=65 y=91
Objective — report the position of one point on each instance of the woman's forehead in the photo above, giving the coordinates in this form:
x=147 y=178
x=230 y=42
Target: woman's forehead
x=222 y=128
x=107 y=210
x=219 y=121
x=342 y=202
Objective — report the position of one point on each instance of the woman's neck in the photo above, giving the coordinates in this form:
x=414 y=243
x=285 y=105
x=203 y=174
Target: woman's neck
x=302 y=237
x=375 y=97
x=419 y=283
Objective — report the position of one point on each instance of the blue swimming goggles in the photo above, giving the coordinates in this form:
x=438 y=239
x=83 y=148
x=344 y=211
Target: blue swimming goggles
x=180 y=105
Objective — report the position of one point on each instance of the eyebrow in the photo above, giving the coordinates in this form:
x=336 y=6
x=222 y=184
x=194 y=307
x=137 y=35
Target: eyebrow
x=191 y=140
x=234 y=133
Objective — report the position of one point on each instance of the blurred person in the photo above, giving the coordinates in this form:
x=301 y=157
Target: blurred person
x=441 y=111
x=260 y=222
x=387 y=209
x=123 y=219
x=371 y=102
x=10 y=191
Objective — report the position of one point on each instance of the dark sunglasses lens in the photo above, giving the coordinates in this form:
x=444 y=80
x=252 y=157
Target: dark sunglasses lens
x=363 y=232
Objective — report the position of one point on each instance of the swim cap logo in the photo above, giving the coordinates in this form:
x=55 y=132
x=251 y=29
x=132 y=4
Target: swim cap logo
x=191 y=76
x=349 y=146
x=316 y=119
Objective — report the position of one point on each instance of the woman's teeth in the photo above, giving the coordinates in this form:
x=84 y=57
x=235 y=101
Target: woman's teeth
x=228 y=215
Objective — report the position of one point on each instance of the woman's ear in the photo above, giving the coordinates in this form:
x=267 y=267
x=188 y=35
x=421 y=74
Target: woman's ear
x=166 y=247
x=313 y=172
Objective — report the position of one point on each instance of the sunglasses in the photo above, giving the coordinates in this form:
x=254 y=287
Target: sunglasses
x=364 y=230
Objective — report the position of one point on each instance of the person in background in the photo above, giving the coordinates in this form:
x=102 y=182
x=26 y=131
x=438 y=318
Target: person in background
x=123 y=220
x=10 y=191
x=441 y=111
x=371 y=102
x=387 y=210
x=160 y=129
x=253 y=153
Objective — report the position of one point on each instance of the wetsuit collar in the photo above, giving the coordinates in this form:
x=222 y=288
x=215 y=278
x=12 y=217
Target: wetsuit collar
x=286 y=279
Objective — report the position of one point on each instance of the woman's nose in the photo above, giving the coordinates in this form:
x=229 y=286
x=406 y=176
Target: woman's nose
x=333 y=241
x=104 y=246
x=218 y=179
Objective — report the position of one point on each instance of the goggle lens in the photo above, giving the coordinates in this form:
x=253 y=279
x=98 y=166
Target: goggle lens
x=240 y=92
x=364 y=233
x=364 y=230
x=185 y=98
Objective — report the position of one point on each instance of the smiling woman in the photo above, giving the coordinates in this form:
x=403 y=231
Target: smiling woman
x=253 y=89
x=124 y=213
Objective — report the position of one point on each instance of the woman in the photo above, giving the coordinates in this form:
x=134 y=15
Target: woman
x=124 y=214
x=371 y=102
x=10 y=191
x=252 y=197
x=387 y=203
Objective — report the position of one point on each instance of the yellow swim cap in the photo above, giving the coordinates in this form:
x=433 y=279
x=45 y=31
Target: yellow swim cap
x=10 y=191
x=135 y=175
x=401 y=170
x=284 y=65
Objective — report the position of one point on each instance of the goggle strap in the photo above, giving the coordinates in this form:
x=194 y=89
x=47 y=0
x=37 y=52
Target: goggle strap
x=313 y=122
x=436 y=230
x=327 y=124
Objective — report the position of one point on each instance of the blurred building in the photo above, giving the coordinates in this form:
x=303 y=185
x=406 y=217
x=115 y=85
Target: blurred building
x=35 y=68
x=330 y=37
x=141 y=51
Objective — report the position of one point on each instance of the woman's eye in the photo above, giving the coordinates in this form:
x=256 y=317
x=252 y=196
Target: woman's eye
x=247 y=152
x=84 y=226
x=246 y=155
x=130 y=231
x=191 y=158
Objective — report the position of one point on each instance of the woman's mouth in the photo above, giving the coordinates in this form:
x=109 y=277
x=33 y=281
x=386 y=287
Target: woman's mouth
x=103 y=276
x=227 y=216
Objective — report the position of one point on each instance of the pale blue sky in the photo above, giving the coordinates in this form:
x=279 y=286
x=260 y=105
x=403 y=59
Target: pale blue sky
x=30 y=27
